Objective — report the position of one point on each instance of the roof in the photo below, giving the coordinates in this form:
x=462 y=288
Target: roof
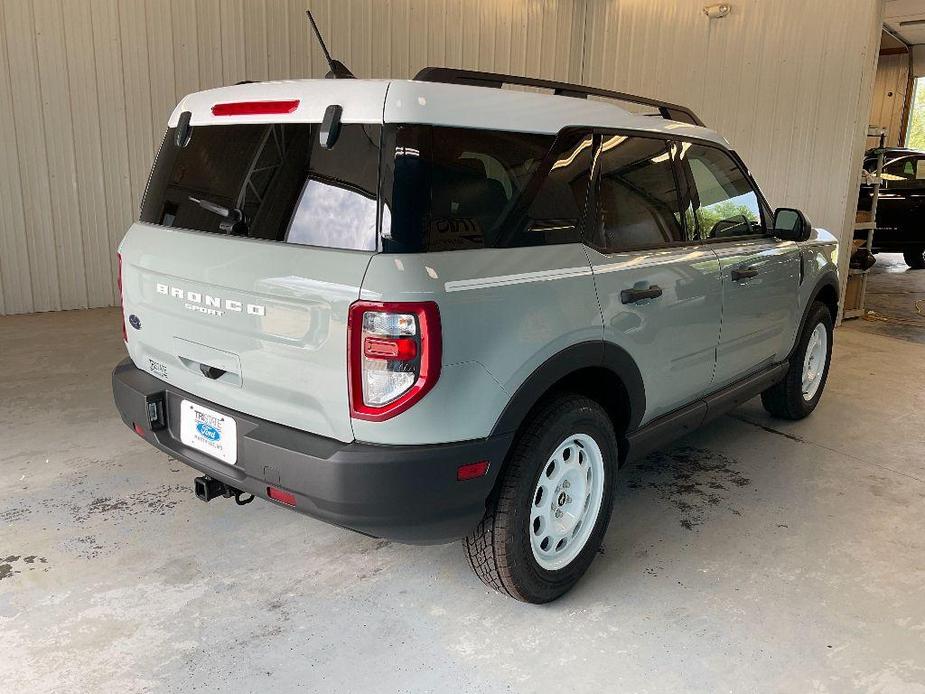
x=430 y=103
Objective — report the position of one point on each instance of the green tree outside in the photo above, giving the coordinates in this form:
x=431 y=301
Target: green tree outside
x=735 y=218
x=916 y=135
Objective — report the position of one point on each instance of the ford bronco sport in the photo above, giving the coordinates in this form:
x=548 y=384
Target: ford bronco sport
x=444 y=308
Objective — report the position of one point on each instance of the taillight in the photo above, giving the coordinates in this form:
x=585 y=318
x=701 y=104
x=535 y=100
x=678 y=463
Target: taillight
x=122 y=300
x=393 y=356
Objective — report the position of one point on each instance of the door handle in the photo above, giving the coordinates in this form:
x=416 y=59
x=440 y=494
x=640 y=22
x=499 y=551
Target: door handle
x=744 y=274
x=631 y=296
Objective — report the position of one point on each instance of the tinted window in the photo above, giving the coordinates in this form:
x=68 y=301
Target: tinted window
x=637 y=196
x=276 y=178
x=906 y=169
x=556 y=210
x=723 y=202
x=458 y=188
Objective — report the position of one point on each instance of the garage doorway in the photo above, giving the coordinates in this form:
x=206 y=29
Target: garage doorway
x=889 y=296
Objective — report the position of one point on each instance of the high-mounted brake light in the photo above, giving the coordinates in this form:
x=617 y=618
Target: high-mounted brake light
x=393 y=356
x=122 y=300
x=255 y=108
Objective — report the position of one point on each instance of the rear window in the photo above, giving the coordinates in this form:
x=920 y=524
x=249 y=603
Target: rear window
x=456 y=188
x=270 y=181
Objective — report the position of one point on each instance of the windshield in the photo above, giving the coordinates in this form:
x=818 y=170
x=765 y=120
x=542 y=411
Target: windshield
x=269 y=181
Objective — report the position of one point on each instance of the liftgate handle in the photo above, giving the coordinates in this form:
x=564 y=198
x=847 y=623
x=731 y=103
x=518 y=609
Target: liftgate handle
x=212 y=372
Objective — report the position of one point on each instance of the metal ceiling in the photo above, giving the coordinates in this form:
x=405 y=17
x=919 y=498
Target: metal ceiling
x=906 y=19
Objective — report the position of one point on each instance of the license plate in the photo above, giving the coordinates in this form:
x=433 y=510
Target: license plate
x=208 y=431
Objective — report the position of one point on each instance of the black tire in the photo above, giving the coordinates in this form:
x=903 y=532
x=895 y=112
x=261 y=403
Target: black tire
x=915 y=258
x=499 y=549
x=786 y=400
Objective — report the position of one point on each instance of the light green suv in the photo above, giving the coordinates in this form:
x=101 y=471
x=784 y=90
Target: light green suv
x=437 y=309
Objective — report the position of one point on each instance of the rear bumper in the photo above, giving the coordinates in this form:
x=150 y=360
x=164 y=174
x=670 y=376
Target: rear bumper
x=402 y=493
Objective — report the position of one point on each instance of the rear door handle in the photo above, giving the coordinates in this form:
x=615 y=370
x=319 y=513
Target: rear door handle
x=744 y=274
x=631 y=296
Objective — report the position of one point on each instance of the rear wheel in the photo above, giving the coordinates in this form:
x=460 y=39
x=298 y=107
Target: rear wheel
x=915 y=258
x=797 y=395
x=545 y=522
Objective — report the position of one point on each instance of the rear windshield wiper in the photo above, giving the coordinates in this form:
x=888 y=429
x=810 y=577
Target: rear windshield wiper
x=233 y=223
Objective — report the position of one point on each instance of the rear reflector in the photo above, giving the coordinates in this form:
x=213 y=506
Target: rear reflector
x=281 y=496
x=255 y=108
x=402 y=348
x=138 y=429
x=472 y=470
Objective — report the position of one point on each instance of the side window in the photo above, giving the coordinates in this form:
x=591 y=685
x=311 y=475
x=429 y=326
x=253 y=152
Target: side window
x=723 y=203
x=476 y=177
x=920 y=169
x=899 y=170
x=448 y=189
x=910 y=170
x=637 y=203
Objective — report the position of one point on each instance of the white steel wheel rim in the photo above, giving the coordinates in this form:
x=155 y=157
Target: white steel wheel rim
x=566 y=501
x=814 y=361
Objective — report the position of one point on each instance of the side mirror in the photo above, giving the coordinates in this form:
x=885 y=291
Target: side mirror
x=791 y=225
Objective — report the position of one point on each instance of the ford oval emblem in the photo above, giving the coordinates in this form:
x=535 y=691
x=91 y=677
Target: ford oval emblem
x=135 y=321
x=208 y=431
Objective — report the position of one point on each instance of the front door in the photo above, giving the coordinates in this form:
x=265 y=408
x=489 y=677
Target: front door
x=661 y=297
x=760 y=274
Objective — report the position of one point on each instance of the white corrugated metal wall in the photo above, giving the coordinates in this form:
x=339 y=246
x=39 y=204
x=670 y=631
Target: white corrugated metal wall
x=86 y=86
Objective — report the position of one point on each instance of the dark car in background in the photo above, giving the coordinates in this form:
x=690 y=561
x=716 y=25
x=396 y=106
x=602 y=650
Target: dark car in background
x=901 y=208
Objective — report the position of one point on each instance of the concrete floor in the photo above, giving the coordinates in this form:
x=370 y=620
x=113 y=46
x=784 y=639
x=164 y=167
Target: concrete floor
x=754 y=555
x=896 y=296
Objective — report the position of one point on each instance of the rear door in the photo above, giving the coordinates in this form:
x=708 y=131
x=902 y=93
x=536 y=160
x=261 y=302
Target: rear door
x=660 y=296
x=760 y=274
x=252 y=244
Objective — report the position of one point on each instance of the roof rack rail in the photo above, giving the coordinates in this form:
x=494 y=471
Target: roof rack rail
x=496 y=80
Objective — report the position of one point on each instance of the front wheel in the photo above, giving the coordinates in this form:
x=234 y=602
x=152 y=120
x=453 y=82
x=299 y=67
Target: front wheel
x=545 y=522
x=915 y=258
x=797 y=395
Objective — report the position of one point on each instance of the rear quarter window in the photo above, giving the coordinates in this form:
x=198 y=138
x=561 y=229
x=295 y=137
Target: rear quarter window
x=458 y=188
